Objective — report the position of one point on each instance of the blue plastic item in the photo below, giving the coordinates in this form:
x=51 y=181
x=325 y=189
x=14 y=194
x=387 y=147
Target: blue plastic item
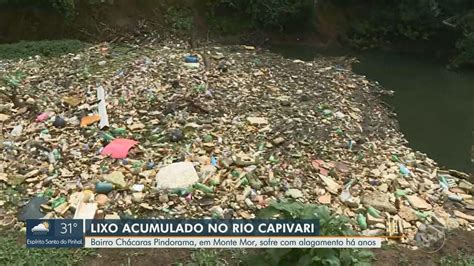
x=404 y=170
x=191 y=59
x=214 y=161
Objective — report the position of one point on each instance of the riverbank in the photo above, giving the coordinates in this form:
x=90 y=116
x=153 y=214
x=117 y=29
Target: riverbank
x=253 y=126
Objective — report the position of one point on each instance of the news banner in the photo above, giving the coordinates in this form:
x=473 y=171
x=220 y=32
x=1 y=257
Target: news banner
x=154 y=233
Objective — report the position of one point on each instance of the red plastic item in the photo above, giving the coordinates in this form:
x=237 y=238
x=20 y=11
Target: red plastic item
x=118 y=148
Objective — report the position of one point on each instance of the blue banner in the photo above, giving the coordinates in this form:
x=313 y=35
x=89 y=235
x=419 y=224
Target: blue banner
x=55 y=233
x=152 y=227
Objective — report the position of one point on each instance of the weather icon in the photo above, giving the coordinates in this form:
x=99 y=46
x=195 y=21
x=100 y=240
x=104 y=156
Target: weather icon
x=41 y=228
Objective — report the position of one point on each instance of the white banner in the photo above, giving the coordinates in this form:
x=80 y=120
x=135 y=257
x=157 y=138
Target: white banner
x=232 y=242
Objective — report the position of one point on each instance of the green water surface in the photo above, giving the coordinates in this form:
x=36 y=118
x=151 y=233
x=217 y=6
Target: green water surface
x=434 y=105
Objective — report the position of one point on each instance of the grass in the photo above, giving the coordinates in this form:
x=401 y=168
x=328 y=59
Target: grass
x=25 y=49
x=216 y=257
x=460 y=260
x=12 y=252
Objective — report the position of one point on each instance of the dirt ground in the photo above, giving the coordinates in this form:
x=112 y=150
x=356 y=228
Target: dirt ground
x=457 y=243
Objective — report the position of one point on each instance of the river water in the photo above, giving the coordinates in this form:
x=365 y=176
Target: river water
x=434 y=105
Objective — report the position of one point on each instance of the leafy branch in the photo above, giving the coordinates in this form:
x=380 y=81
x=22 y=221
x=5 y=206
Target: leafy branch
x=13 y=83
x=330 y=224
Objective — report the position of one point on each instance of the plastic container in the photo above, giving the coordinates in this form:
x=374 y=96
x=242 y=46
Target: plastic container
x=191 y=59
x=104 y=187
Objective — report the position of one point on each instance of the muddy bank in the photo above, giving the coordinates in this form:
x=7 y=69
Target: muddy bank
x=89 y=22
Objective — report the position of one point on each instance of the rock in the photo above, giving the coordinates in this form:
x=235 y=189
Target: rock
x=176 y=135
x=342 y=167
x=383 y=187
x=147 y=174
x=418 y=203
x=218 y=56
x=136 y=126
x=16 y=180
x=351 y=202
x=379 y=225
x=464 y=216
x=452 y=224
x=379 y=201
x=403 y=182
x=244 y=160
x=137 y=187
x=294 y=193
x=86 y=211
x=469 y=204
x=331 y=186
x=4 y=177
x=4 y=117
x=59 y=122
x=163 y=198
x=204 y=160
x=325 y=199
x=137 y=197
x=116 y=178
x=101 y=199
x=217 y=212
x=305 y=98
x=465 y=185
x=257 y=120
x=113 y=216
x=176 y=176
x=32 y=173
x=191 y=65
x=372 y=220
x=373 y=232
x=407 y=213
x=72 y=101
x=297 y=183
x=146 y=206
x=458 y=174
x=278 y=141
x=30 y=101
x=249 y=203
x=255 y=182
x=207 y=171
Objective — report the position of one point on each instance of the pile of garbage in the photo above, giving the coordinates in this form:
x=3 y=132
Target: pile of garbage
x=161 y=130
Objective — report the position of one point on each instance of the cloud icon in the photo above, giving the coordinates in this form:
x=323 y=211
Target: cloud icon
x=41 y=228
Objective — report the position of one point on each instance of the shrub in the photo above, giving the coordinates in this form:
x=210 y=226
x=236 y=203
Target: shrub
x=330 y=224
x=275 y=14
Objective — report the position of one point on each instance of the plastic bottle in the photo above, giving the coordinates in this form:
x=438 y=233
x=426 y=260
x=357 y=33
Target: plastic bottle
x=404 y=170
x=191 y=59
x=104 y=187
x=17 y=130
x=203 y=188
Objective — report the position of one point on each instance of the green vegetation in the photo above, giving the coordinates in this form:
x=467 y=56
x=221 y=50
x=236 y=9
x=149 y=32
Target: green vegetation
x=12 y=91
x=419 y=20
x=367 y=23
x=274 y=14
x=43 y=48
x=330 y=224
x=65 y=7
x=207 y=257
x=460 y=260
x=179 y=19
x=14 y=253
